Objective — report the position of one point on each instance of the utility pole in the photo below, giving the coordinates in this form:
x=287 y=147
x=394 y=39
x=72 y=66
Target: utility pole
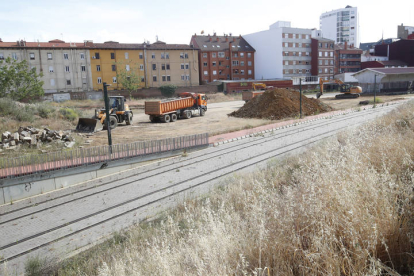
x=108 y=125
x=300 y=98
x=375 y=89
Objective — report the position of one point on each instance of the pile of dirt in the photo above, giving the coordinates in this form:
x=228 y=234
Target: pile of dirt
x=278 y=104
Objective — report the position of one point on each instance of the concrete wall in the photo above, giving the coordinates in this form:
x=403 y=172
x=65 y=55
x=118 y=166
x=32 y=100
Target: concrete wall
x=20 y=188
x=268 y=57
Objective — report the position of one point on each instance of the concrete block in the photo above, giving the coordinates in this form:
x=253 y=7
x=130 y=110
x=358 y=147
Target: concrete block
x=70 y=180
x=2 y=201
x=16 y=192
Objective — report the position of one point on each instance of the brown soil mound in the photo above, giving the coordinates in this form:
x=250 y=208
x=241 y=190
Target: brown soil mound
x=278 y=104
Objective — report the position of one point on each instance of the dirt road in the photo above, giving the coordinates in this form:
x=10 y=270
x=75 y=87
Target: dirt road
x=214 y=122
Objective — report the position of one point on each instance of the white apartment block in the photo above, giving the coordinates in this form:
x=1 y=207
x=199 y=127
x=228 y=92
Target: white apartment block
x=341 y=25
x=65 y=66
x=282 y=51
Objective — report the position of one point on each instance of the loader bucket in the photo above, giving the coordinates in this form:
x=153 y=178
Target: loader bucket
x=88 y=125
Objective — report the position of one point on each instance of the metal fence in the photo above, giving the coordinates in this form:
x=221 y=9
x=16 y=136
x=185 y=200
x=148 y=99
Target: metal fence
x=385 y=87
x=37 y=163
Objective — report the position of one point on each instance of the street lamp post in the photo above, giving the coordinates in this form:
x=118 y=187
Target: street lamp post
x=375 y=89
x=300 y=98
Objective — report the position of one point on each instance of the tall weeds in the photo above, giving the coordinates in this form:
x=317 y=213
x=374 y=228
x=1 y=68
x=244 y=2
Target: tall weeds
x=343 y=208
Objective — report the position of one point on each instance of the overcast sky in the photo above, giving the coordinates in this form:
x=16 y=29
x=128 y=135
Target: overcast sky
x=175 y=21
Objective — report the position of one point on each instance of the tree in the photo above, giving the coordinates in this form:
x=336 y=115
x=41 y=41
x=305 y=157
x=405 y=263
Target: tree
x=168 y=90
x=130 y=80
x=18 y=82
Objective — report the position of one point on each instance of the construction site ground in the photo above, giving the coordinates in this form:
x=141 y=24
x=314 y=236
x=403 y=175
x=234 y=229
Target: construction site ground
x=216 y=121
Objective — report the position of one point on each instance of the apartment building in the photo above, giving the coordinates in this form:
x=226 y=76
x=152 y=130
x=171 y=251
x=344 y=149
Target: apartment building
x=322 y=58
x=65 y=66
x=282 y=51
x=111 y=57
x=347 y=58
x=402 y=50
x=175 y=64
x=155 y=64
x=224 y=57
x=341 y=25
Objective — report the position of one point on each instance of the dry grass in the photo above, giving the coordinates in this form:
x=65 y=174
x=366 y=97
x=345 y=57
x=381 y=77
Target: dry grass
x=343 y=208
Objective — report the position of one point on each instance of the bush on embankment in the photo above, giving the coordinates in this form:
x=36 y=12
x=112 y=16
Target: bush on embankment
x=343 y=208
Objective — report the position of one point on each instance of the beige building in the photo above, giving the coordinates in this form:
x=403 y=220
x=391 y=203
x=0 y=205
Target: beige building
x=175 y=64
x=65 y=66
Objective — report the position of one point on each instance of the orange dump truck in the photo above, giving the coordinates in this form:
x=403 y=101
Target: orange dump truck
x=248 y=95
x=187 y=105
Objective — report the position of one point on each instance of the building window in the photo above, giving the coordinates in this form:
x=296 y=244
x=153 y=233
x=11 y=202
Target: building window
x=96 y=55
x=286 y=62
x=326 y=62
x=142 y=79
x=221 y=54
x=235 y=63
x=286 y=35
x=214 y=63
x=52 y=82
x=141 y=67
x=141 y=56
x=164 y=78
x=320 y=62
x=14 y=56
x=320 y=54
x=242 y=72
x=307 y=54
x=49 y=56
x=326 y=54
x=235 y=55
x=249 y=72
x=154 y=78
x=182 y=77
x=51 y=69
x=113 y=79
x=249 y=63
x=112 y=55
x=286 y=44
x=181 y=55
x=83 y=68
x=98 y=68
x=153 y=56
x=126 y=55
x=241 y=63
x=168 y=78
x=162 y=55
x=205 y=64
x=182 y=65
x=154 y=66
x=187 y=66
x=68 y=82
x=204 y=55
x=214 y=72
x=320 y=71
x=82 y=56
x=65 y=56
x=99 y=80
x=127 y=67
x=249 y=55
x=32 y=56
x=113 y=67
x=213 y=55
x=205 y=73
x=67 y=69
x=331 y=54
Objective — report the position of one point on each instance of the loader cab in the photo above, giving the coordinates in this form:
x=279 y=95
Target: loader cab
x=117 y=102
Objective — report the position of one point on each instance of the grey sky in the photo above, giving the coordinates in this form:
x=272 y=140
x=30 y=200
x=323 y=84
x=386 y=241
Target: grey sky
x=175 y=21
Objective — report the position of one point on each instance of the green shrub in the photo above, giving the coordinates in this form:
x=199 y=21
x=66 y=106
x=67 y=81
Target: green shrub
x=168 y=90
x=45 y=110
x=7 y=106
x=69 y=114
x=34 y=266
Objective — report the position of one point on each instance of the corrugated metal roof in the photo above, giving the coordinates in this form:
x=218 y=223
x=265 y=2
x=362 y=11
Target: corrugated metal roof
x=388 y=71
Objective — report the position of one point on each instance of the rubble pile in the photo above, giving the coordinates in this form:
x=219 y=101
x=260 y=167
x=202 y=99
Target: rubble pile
x=278 y=103
x=33 y=137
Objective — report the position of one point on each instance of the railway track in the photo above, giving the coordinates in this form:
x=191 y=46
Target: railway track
x=77 y=217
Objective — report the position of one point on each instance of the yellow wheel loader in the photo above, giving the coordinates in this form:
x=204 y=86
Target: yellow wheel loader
x=119 y=113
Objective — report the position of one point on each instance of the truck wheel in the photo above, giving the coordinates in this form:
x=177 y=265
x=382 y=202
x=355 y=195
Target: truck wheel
x=202 y=112
x=128 y=119
x=113 y=123
x=152 y=118
x=167 y=118
x=189 y=114
x=173 y=117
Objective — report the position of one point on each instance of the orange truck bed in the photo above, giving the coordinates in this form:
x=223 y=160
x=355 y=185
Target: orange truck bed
x=248 y=95
x=162 y=107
